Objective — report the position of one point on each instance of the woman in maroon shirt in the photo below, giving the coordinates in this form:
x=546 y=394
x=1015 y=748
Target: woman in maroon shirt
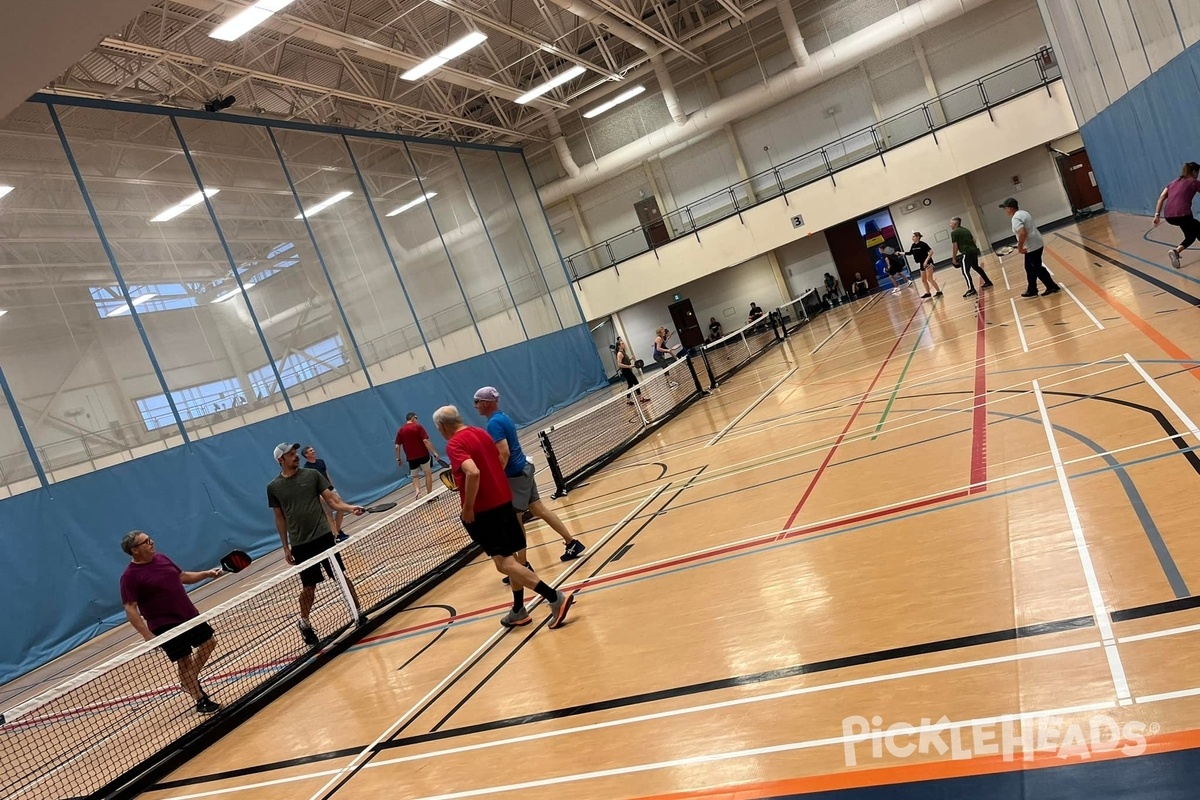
x=1175 y=204
x=155 y=602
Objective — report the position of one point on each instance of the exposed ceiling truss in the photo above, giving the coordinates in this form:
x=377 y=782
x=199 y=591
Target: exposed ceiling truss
x=340 y=61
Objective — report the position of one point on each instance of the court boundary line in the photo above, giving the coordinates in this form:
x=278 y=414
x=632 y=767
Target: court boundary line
x=1103 y=622
x=1086 y=310
x=825 y=341
x=1166 y=398
x=1020 y=325
x=752 y=406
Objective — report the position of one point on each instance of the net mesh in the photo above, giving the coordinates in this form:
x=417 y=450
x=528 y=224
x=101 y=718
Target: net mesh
x=796 y=313
x=577 y=447
x=729 y=354
x=105 y=726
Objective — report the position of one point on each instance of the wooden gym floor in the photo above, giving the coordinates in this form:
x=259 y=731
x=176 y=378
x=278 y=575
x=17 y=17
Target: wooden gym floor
x=970 y=520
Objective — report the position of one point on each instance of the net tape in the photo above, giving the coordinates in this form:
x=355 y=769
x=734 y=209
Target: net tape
x=101 y=726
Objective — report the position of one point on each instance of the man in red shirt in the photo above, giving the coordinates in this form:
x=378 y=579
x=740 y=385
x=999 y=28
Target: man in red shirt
x=488 y=514
x=418 y=450
x=155 y=602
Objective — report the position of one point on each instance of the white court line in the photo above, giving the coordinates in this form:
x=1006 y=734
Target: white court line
x=1020 y=325
x=1090 y=315
x=750 y=408
x=679 y=712
x=1154 y=698
x=710 y=758
x=830 y=336
x=878 y=296
x=469 y=661
x=1142 y=637
x=1166 y=398
x=1004 y=272
x=1089 y=571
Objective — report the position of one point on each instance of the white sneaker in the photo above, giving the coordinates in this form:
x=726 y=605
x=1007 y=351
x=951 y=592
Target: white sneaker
x=1173 y=254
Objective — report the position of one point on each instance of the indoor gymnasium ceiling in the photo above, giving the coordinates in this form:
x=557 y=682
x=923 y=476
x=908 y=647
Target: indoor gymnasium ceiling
x=340 y=61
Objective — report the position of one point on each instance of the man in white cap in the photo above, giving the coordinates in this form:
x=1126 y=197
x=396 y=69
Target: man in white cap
x=296 y=495
x=519 y=469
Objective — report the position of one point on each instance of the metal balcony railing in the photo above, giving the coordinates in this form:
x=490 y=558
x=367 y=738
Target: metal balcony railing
x=979 y=96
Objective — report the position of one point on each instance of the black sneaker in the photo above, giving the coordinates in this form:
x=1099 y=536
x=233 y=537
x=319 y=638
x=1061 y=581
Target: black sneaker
x=341 y=537
x=1029 y=294
x=573 y=551
x=205 y=705
x=1051 y=290
x=926 y=296
x=971 y=293
x=939 y=294
x=310 y=635
x=508 y=582
x=988 y=285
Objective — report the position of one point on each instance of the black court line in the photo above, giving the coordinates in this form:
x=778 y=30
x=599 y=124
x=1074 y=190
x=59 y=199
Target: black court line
x=621 y=550
x=449 y=610
x=1186 y=297
x=1155 y=609
x=703 y=687
x=621 y=553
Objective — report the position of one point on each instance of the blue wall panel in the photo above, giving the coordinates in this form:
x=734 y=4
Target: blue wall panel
x=202 y=499
x=1138 y=143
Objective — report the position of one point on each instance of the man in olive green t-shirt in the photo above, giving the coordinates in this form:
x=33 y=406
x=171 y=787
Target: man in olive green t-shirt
x=295 y=495
x=966 y=255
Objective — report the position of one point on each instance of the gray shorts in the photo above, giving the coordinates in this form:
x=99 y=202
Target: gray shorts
x=524 y=488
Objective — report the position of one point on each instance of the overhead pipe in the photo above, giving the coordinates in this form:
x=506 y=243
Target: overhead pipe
x=668 y=90
x=792 y=31
x=560 y=146
x=841 y=56
x=607 y=22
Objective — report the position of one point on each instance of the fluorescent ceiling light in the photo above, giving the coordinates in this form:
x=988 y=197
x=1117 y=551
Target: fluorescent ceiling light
x=252 y=17
x=3 y=311
x=616 y=101
x=448 y=52
x=324 y=204
x=184 y=205
x=5 y=190
x=557 y=80
x=411 y=203
x=137 y=301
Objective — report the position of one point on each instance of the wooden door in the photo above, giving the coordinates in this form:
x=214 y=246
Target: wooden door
x=850 y=254
x=650 y=218
x=690 y=333
x=1080 y=181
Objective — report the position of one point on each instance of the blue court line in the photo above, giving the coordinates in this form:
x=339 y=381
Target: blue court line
x=1135 y=257
x=803 y=539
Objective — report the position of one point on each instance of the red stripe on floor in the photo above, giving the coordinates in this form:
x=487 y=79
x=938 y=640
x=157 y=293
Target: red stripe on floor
x=979 y=421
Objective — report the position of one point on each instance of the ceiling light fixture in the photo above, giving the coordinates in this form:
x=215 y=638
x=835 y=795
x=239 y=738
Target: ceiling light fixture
x=5 y=190
x=324 y=204
x=616 y=101
x=557 y=80
x=447 y=53
x=183 y=205
x=3 y=311
x=411 y=203
x=137 y=301
x=252 y=17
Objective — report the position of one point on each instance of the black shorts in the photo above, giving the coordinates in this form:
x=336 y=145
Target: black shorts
x=417 y=463
x=182 y=646
x=303 y=552
x=498 y=531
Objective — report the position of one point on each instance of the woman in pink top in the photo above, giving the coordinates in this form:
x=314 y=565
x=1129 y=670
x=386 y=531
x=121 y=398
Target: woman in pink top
x=1175 y=205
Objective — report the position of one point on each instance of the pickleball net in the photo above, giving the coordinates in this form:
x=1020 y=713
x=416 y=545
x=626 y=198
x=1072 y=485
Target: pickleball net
x=579 y=446
x=102 y=732
x=730 y=353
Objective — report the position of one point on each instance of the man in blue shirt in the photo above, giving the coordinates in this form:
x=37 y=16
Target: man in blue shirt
x=519 y=470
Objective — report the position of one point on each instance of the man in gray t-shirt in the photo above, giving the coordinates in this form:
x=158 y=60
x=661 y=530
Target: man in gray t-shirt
x=295 y=495
x=1029 y=244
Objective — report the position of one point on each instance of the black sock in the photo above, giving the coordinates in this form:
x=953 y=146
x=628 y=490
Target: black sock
x=518 y=599
x=545 y=591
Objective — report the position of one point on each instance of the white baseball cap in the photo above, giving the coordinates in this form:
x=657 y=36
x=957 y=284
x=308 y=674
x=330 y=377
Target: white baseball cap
x=283 y=448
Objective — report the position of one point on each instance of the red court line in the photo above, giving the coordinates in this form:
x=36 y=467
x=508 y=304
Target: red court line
x=979 y=421
x=829 y=456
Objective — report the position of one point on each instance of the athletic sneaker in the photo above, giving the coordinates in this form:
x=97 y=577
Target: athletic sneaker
x=574 y=549
x=1029 y=294
x=205 y=705
x=926 y=296
x=515 y=619
x=506 y=578
x=988 y=285
x=971 y=293
x=310 y=635
x=559 y=608
x=939 y=294
x=1173 y=254
x=1050 y=291
x=341 y=537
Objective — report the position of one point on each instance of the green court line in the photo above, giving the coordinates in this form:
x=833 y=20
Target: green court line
x=903 y=372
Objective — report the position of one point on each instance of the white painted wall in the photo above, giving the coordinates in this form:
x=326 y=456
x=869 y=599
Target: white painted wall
x=1041 y=192
x=804 y=263
x=725 y=295
x=972 y=144
x=933 y=220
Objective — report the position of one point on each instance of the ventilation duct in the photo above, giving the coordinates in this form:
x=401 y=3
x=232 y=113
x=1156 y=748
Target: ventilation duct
x=668 y=90
x=792 y=31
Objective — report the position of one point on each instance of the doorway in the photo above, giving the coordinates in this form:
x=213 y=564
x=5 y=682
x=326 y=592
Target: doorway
x=650 y=218
x=1080 y=182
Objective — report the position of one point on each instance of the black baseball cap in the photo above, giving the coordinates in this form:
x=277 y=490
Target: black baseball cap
x=1010 y=203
